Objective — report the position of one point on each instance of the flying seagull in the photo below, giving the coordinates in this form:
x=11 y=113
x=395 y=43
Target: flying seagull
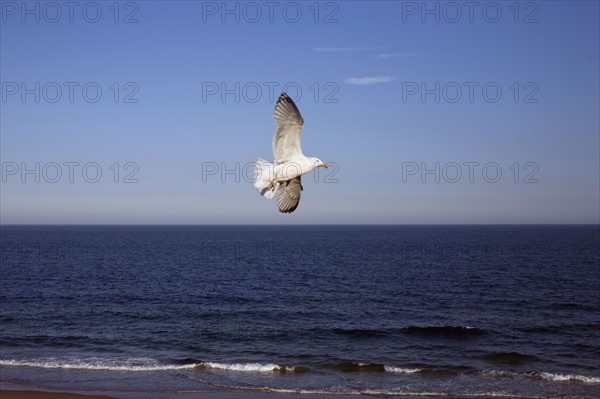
x=283 y=175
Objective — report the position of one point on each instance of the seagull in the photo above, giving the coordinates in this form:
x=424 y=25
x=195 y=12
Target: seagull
x=282 y=177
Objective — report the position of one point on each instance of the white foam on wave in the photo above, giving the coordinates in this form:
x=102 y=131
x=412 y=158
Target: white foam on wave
x=134 y=364
x=570 y=377
x=139 y=364
x=310 y=391
x=555 y=377
x=256 y=367
x=401 y=370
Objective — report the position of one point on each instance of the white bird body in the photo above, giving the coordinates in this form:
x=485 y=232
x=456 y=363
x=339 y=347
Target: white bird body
x=283 y=175
x=292 y=169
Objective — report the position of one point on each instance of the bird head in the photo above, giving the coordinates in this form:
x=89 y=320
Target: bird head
x=318 y=163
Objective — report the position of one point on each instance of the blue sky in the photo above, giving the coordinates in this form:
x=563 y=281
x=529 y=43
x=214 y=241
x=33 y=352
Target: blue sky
x=515 y=93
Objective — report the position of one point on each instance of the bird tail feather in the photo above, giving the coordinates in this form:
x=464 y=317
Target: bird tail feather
x=264 y=178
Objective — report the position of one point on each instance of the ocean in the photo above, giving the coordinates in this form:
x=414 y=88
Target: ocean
x=447 y=311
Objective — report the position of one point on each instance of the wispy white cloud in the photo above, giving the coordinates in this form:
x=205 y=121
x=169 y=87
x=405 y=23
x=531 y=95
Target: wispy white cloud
x=369 y=80
x=343 y=49
x=391 y=55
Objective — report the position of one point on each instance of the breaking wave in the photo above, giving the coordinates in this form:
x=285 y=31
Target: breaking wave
x=253 y=367
x=134 y=364
x=569 y=377
x=147 y=364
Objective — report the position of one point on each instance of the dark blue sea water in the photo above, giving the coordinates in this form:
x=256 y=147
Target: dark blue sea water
x=381 y=310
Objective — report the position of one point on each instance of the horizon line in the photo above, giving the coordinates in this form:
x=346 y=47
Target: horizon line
x=293 y=224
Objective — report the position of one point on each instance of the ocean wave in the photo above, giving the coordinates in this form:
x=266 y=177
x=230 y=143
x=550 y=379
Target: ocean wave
x=498 y=373
x=242 y=366
x=355 y=366
x=401 y=370
x=555 y=377
x=372 y=367
x=149 y=364
x=342 y=366
x=134 y=364
x=253 y=367
x=569 y=377
x=444 y=331
x=309 y=391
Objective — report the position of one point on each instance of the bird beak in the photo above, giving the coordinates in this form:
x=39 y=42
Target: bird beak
x=325 y=166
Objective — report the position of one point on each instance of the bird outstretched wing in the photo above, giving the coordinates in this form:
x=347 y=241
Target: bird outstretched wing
x=286 y=140
x=288 y=195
